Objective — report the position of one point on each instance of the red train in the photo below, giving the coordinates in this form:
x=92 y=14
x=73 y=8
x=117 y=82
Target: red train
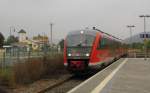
x=87 y=48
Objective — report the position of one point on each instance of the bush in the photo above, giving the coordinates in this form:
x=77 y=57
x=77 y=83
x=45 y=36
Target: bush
x=6 y=77
x=36 y=68
x=28 y=72
x=31 y=70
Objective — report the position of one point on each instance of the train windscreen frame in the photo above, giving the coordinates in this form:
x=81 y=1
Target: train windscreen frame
x=80 y=39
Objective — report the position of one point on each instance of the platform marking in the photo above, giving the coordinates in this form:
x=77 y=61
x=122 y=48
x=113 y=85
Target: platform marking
x=86 y=81
x=100 y=87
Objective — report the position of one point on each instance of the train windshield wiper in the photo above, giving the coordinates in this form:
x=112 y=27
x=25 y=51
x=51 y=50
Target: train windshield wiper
x=80 y=44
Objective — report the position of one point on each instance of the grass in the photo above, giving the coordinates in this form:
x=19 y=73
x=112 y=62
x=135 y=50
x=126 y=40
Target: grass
x=31 y=70
x=6 y=77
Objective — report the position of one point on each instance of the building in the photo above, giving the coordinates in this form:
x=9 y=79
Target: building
x=36 y=43
x=22 y=36
x=42 y=39
x=39 y=41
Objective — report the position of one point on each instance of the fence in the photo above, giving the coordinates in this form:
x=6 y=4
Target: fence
x=139 y=54
x=18 y=66
x=8 y=58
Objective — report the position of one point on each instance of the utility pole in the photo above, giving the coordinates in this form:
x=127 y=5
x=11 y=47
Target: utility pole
x=145 y=39
x=14 y=30
x=10 y=31
x=130 y=27
x=51 y=33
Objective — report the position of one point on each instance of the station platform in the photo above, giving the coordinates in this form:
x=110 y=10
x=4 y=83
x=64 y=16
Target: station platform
x=130 y=75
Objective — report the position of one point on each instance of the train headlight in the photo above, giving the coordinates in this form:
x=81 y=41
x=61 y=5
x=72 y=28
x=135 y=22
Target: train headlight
x=69 y=54
x=87 y=54
x=81 y=32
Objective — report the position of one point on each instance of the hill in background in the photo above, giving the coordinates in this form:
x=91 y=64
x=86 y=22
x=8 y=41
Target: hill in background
x=136 y=38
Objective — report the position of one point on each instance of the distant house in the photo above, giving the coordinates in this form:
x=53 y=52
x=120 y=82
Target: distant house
x=36 y=43
x=39 y=41
x=7 y=48
x=22 y=36
x=2 y=52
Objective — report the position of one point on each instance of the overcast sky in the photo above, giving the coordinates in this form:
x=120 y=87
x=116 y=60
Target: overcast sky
x=111 y=16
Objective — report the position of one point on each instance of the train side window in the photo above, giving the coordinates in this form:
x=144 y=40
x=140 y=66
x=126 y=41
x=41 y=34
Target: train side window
x=102 y=43
x=98 y=47
x=108 y=43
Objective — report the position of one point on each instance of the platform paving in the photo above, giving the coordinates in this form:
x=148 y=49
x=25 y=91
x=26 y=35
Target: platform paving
x=131 y=75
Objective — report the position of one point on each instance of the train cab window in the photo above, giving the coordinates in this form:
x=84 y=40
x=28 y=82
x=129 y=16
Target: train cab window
x=78 y=40
x=102 y=43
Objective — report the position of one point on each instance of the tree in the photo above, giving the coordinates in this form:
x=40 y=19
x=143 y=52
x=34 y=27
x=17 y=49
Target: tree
x=148 y=44
x=1 y=40
x=11 y=39
x=61 y=44
x=137 y=45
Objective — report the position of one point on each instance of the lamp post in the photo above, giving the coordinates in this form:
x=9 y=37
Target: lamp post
x=144 y=17
x=51 y=33
x=12 y=30
x=130 y=27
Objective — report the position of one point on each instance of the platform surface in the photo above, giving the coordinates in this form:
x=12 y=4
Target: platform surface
x=131 y=75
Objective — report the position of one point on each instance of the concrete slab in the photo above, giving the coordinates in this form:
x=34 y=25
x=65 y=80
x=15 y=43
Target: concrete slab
x=125 y=76
x=133 y=77
x=88 y=85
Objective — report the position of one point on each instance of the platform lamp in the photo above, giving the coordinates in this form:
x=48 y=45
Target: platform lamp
x=144 y=17
x=130 y=27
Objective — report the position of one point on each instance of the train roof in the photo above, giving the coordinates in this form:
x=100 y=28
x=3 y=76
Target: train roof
x=109 y=35
x=85 y=31
x=93 y=32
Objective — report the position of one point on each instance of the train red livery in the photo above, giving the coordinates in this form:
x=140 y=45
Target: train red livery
x=90 y=48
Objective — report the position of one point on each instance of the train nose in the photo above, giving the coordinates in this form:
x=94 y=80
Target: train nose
x=77 y=65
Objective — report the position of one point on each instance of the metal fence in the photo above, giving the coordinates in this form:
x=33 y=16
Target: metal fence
x=8 y=58
x=139 y=54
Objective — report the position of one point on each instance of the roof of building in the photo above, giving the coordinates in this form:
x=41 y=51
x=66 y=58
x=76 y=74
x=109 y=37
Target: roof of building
x=22 y=31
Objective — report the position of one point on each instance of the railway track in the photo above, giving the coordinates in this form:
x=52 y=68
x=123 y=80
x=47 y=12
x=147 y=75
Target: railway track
x=71 y=82
x=56 y=85
x=68 y=84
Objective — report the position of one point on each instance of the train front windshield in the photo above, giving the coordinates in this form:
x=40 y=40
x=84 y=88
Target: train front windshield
x=80 y=40
x=80 y=44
